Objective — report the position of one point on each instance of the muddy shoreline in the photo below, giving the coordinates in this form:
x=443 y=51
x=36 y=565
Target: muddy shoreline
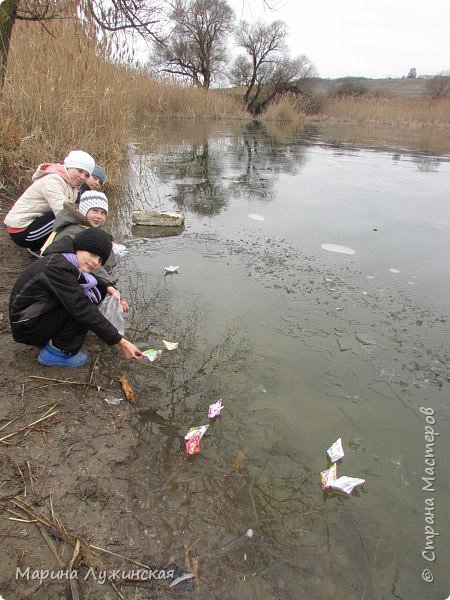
x=64 y=456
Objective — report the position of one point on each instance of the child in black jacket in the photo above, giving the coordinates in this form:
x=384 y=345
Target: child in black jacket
x=54 y=302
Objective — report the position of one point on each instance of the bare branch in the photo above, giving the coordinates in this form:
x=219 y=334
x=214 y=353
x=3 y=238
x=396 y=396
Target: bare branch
x=196 y=47
x=137 y=16
x=263 y=44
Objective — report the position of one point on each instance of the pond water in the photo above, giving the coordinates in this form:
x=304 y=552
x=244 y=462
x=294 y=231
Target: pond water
x=312 y=297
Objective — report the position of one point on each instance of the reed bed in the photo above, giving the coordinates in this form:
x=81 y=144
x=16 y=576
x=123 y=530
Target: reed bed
x=389 y=111
x=288 y=107
x=165 y=99
x=60 y=93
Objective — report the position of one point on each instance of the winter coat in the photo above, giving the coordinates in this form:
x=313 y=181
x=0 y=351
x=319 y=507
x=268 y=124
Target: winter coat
x=51 y=187
x=53 y=281
x=83 y=188
x=69 y=221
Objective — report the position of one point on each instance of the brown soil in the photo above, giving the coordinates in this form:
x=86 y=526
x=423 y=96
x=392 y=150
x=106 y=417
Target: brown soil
x=63 y=478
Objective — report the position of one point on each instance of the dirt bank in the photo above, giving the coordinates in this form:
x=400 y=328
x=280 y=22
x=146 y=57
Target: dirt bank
x=63 y=457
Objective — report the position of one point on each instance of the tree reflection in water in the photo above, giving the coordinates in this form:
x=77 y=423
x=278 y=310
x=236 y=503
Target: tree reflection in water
x=241 y=479
x=205 y=171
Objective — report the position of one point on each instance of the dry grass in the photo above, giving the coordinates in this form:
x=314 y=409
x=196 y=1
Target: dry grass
x=63 y=92
x=286 y=108
x=60 y=93
x=165 y=99
x=390 y=111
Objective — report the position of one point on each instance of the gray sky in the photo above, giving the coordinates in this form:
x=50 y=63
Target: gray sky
x=367 y=38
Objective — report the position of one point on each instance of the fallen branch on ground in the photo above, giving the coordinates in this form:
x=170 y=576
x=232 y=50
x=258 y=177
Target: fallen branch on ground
x=52 y=404
x=91 y=374
x=84 y=553
x=28 y=427
x=83 y=383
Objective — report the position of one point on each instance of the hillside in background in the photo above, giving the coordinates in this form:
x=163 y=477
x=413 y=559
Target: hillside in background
x=409 y=88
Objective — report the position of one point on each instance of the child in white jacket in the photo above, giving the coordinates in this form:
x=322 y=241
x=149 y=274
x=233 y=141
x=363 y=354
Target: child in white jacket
x=30 y=220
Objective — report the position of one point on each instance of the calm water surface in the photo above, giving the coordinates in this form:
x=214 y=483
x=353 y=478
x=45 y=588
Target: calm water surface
x=304 y=346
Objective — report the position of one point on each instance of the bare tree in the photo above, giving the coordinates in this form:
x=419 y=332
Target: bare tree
x=263 y=43
x=196 y=47
x=267 y=70
x=138 y=16
x=283 y=74
x=289 y=71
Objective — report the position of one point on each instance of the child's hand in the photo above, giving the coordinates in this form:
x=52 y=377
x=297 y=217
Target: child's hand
x=124 y=304
x=129 y=350
x=111 y=290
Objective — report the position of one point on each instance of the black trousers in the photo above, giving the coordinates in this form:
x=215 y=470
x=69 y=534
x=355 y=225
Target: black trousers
x=36 y=233
x=57 y=326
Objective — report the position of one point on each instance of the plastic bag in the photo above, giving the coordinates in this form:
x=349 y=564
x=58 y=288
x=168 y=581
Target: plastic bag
x=119 y=250
x=112 y=310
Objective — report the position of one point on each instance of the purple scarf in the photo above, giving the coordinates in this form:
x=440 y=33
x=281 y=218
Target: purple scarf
x=90 y=288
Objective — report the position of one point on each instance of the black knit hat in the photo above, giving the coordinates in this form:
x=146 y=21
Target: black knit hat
x=94 y=240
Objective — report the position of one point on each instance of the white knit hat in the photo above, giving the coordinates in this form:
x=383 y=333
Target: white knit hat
x=92 y=199
x=78 y=159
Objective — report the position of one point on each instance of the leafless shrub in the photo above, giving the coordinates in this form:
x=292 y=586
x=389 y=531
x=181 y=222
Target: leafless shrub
x=438 y=86
x=349 y=88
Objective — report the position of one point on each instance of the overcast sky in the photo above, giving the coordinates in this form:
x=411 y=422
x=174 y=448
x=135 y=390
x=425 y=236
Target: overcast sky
x=367 y=38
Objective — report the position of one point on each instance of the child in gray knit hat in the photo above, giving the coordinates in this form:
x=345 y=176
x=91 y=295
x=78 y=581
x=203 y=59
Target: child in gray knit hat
x=91 y=212
x=94 y=206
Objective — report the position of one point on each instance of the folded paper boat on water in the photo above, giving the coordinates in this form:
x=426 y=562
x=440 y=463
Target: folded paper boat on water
x=153 y=217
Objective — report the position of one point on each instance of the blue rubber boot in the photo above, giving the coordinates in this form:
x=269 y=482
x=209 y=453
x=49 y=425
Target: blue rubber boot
x=50 y=356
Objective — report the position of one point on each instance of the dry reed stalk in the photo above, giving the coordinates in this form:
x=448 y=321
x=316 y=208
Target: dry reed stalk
x=81 y=548
x=67 y=382
x=50 y=544
x=53 y=404
x=287 y=108
x=91 y=374
x=195 y=571
x=31 y=476
x=89 y=558
x=28 y=427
